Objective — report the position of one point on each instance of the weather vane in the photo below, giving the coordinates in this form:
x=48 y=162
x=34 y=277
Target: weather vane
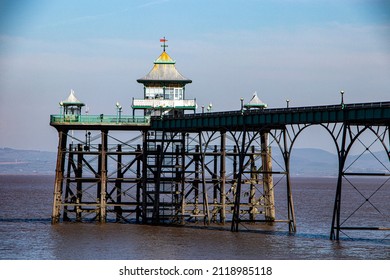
x=164 y=45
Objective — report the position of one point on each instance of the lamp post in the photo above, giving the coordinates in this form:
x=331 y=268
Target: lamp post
x=288 y=103
x=342 y=99
x=61 y=108
x=242 y=104
x=118 y=111
x=202 y=109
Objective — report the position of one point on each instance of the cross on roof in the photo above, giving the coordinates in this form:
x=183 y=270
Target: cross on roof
x=163 y=40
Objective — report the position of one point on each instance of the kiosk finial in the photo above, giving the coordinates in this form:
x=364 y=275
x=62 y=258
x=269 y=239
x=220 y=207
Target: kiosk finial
x=164 y=45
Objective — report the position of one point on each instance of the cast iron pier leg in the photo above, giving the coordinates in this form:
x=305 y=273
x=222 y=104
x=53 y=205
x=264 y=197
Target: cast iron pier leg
x=290 y=203
x=57 y=196
x=335 y=231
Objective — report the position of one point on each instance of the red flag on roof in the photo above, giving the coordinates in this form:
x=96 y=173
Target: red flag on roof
x=163 y=40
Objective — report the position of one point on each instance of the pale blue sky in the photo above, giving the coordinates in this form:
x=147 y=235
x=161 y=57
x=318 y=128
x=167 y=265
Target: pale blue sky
x=306 y=51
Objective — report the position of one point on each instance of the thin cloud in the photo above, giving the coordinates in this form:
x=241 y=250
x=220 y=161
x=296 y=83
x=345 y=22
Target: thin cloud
x=153 y=3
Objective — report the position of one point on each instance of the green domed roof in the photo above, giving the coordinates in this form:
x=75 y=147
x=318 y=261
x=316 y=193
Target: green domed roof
x=164 y=70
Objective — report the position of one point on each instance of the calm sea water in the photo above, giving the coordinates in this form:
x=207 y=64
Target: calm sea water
x=26 y=232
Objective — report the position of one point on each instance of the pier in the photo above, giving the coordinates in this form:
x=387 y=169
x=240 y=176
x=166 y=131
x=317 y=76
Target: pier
x=165 y=165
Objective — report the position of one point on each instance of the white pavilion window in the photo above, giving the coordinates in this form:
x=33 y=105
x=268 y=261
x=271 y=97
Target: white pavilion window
x=178 y=94
x=154 y=92
x=173 y=93
x=169 y=93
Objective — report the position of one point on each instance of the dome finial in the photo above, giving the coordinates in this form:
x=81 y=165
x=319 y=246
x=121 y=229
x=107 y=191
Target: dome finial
x=163 y=40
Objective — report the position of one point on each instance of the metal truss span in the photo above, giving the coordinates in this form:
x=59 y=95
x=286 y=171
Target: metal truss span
x=362 y=143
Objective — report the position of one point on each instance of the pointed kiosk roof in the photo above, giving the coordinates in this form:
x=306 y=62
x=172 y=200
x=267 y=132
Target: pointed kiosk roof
x=72 y=100
x=255 y=103
x=164 y=72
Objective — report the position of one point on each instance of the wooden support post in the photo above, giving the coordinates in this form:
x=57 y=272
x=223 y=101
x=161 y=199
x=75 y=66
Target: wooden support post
x=138 y=209
x=103 y=178
x=237 y=199
x=215 y=183
x=206 y=210
x=99 y=177
x=235 y=172
x=214 y=175
x=145 y=177
x=196 y=211
x=57 y=195
x=183 y=177
x=252 y=188
x=70 y=197
x=118 y=184
x=178 y=175
x=78 y=172
x=222 y=185
x=268 y=187
x=157 y=184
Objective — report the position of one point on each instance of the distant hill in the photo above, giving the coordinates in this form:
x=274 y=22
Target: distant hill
x=304 y=162
x=26 y=162
x=317 y=162
x=313 y=162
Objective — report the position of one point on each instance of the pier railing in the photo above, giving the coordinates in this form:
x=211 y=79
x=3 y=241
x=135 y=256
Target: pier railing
x=100 y=119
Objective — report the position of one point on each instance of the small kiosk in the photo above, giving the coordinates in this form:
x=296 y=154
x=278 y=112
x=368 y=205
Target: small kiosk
x=71 y=108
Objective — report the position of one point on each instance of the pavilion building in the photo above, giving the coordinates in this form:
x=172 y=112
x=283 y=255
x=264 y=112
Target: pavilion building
x=164 y=89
